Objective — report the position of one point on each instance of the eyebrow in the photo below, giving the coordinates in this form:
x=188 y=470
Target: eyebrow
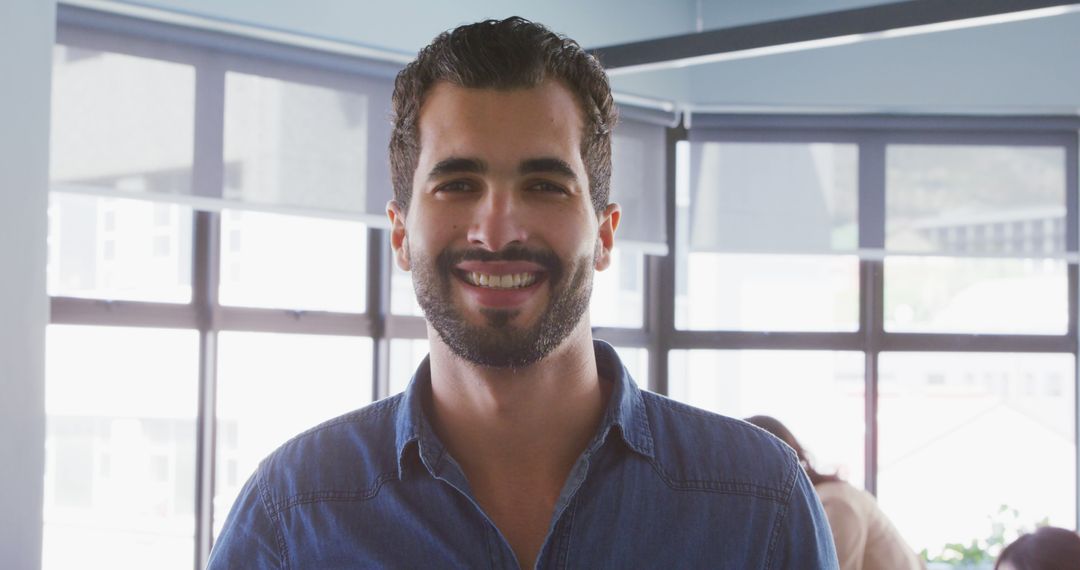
x=459 y=165
x=548 y=166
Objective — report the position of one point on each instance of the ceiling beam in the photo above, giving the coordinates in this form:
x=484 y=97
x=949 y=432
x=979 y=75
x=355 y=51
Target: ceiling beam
x=820 y=30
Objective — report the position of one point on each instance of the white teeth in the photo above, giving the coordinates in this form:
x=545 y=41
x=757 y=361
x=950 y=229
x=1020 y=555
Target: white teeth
x=510 y=281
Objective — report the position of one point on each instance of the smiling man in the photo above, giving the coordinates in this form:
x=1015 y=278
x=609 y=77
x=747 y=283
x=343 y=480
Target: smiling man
x=521 y=442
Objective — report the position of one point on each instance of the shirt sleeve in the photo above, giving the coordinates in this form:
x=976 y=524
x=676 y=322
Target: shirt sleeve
x=803 y=540
x=849 y=531
x=250 y=537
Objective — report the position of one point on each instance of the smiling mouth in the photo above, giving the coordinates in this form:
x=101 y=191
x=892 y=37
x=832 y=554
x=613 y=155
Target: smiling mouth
x=506 y=281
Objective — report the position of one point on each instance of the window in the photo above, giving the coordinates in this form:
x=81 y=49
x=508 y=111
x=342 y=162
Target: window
x=902 y=293
x=276 y=261
x=747 y=230
x=903 y=288
x=192 y=267
x=120 y=447
x=975 y=432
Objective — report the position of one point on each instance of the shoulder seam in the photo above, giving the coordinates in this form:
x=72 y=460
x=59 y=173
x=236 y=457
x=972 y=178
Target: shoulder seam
x=784 y=508
x=348 y=417
x=770 y=493
x=267 y=504
x=718 y=486
x=333 y=496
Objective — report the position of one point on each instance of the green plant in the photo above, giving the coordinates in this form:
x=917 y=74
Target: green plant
x=1005 y=527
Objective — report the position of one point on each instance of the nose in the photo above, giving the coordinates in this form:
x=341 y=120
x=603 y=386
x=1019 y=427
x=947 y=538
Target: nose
x=498 y=220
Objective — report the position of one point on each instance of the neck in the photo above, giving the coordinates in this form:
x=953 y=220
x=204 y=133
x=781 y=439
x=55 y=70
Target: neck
x=530 y=422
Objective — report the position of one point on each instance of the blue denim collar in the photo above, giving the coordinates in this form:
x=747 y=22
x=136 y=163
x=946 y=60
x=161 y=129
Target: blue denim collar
x=625 y=409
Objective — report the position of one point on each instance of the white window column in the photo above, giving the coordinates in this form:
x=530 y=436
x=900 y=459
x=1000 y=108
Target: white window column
x=27 y=28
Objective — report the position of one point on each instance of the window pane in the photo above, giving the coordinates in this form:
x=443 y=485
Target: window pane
x=975 y=199
x=976 y=295
x=772 y=197
x=275 y=261
x=636 y=361
x=752 y=241
x=618 y=295
x=122 y=122
x=295 y=144
x=270 y=388
x=818 y=395
x=963 y=434
x=402 y=294
x=120 y=447
x=130 y=250
x=405 y=356
x=767 y=292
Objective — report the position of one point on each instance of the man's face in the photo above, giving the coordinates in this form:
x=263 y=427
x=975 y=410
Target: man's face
x=501 y=235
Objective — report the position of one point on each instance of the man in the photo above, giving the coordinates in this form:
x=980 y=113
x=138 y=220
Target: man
x=521 y=441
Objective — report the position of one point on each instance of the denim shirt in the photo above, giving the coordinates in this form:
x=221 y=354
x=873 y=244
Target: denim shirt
x=661 y=485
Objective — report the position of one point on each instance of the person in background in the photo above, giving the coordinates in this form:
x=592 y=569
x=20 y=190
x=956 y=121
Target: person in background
x=865 y=538
x=1048 y=548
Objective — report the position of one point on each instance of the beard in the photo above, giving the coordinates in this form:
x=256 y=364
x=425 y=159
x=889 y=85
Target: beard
x=499 y=343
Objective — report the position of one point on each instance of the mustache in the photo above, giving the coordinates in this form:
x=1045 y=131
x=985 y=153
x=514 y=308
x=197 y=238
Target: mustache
x=545 y=258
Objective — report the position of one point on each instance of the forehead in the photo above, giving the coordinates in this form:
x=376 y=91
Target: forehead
x=460 y=121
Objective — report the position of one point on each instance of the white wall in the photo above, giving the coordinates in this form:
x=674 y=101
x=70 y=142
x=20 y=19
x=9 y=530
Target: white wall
x=26 y=37
x=408 y=25
x=1021 y=67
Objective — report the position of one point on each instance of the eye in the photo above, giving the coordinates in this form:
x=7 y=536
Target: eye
x=455 y=186
x=547 y=187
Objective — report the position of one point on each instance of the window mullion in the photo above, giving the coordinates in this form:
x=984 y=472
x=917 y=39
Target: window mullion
x=871 y=212
x=207 y=180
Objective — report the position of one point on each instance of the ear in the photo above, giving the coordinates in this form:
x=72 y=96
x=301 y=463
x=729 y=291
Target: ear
x=399 y=237
x=609 y=222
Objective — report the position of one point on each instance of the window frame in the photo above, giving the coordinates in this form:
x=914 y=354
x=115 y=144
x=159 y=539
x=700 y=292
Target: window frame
x=872 y=134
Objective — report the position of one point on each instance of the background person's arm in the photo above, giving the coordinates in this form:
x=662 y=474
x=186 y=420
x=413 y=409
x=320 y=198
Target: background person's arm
x=849 y=529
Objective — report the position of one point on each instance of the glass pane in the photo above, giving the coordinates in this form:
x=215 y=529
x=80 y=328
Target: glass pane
x=295 y=144
x=818 y=395
x=773 y=197
x=976 y=295
x=121 y=122
x=767 y=292
x=130 y=250
x=963 y=434
x=618 y=295
x=636 y=361
x=290 y=262
x=270 y=388
x=975 y=199
x=402 y=295
x=719 y=286
x=405 y=356
x=120 y=409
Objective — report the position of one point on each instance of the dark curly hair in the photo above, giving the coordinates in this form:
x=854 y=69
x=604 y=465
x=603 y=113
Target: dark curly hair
x=1048 y=548
x=504 y=54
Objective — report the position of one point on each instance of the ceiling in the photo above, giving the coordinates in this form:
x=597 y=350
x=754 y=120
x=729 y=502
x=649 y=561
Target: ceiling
x=1010 y=68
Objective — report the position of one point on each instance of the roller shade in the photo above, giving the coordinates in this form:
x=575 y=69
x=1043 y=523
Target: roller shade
x=208 y=125
x=958 y=194
x=772 y=197
x=638 y=177
x=214 y=121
